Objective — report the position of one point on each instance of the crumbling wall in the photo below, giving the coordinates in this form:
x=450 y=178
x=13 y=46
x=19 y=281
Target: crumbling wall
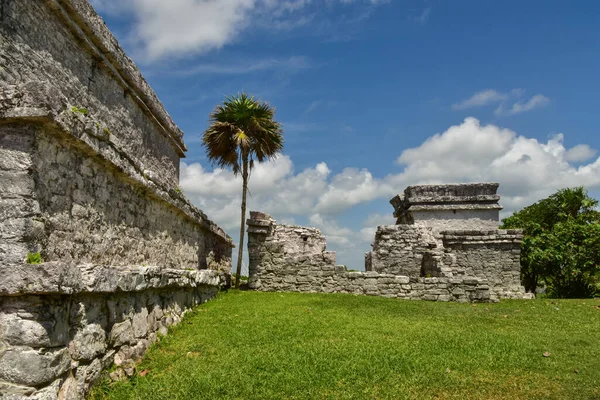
x=89 y=174
x=279 y=252
x=399 y=249
x=419 y=258
x=295 y=259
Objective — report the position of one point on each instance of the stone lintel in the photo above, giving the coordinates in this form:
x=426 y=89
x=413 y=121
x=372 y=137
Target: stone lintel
x=454 y=190
x=471 y=200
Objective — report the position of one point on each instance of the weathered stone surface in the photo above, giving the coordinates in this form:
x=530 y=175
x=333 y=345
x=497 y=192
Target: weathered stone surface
x=87 y=152
x=89 y=174
x=455 y=206
x=140 y=323
x=407 y=261
x=58 y=277
x=88 y=343
x=12 y=391
x=43 y=332
x=121 y=333
x=86 y=376
x=29 y=367
x=95 y=344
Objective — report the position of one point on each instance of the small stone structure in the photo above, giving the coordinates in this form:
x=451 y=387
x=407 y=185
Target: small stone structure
x=444 y=207
x=424 y=256
x=89 y=173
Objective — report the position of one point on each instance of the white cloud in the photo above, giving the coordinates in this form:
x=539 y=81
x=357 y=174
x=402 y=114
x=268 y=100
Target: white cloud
x=349 y=188
x=334 y=233
x=527 y=169
x=479 y=99
x=182 y=27
x=521 y=106
x=463 y=150
x=580 y=153
x=374 y=220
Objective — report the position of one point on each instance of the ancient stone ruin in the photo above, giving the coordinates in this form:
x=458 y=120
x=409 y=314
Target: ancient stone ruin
x=446 y=246
x=89 y=173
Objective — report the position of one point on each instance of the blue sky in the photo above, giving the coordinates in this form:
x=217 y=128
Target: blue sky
x=375 y=96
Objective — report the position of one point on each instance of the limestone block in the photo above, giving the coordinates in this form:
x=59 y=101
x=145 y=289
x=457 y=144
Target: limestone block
x=34 y=333
x=88 y=343
x=140 y=323
x=69 y=390
x=25 y=366
x=402 y=280
x=50 y=392
x=121 y=333
x=12 y=391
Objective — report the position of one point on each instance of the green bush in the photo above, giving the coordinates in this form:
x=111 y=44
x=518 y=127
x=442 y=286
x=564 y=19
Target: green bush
x=561 y=246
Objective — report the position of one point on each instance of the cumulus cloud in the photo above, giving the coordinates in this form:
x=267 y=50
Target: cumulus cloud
x=178 y=27
x=349 y=188
x=527 y=169
x=580 y=153
x=335 y=234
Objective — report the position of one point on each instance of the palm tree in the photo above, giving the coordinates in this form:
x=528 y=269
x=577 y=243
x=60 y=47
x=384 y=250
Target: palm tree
x=242 y=130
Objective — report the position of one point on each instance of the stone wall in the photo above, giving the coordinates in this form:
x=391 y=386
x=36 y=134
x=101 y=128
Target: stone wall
x=76 y=208
x=494 y=255
x=278 y=252
x=399 y=249
x=89 y=174
x=61 y=325
x=295 y=259
x=415 y=251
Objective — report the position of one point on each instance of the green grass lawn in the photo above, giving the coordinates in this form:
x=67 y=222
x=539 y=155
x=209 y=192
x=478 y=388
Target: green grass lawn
x=252 y=345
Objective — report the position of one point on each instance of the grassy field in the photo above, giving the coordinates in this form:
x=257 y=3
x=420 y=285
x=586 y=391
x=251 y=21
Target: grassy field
x=250 y=345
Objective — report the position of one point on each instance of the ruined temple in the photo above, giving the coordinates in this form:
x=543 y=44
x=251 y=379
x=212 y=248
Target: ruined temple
x=446 y=246
x=99 y=250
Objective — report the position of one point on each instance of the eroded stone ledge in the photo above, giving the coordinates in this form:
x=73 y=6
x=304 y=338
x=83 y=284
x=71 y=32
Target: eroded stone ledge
x=61 y=278
x=61 y=325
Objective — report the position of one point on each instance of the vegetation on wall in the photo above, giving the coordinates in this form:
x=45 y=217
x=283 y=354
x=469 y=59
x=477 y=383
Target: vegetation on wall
x=34 y=258
x=561 y=248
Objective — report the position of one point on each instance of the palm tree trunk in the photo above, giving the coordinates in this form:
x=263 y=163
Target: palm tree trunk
x=238 y=271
